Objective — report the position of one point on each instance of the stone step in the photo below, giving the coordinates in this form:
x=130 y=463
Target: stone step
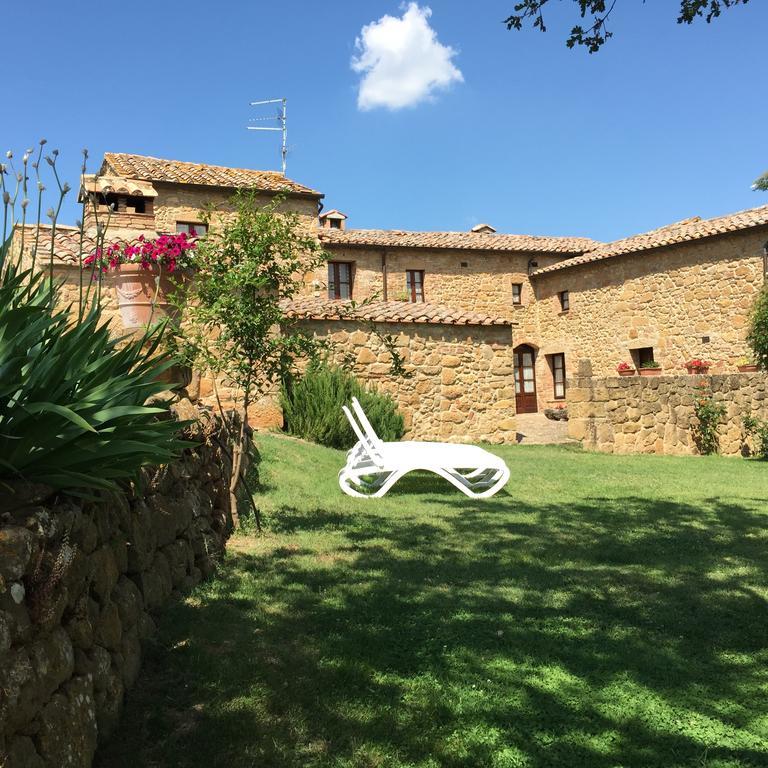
x=537 y=429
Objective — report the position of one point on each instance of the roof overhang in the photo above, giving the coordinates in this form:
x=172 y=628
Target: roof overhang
x=116 y=185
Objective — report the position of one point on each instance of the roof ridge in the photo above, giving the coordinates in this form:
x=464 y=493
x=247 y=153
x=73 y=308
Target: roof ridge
x=47 y=227
x=128 y=165
x=693 y=228
x=395 y=238
x=195 y=163
x=493 y=236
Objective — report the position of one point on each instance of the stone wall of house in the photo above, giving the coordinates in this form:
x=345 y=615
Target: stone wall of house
x=188 y=203
x=480 y=281
x=655 y=414
x=80 y=582
x=459 y=386
x=670 y=299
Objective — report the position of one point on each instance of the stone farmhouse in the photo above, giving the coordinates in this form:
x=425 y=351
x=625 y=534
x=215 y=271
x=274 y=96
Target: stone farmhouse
x=489 y=325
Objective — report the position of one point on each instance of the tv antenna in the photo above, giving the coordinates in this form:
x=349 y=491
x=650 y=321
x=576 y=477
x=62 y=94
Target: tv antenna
x=281 y=120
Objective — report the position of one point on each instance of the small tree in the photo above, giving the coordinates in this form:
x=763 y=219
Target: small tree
x=761 y=184
x=597 y=12
x=757 y=335
x=235 y=326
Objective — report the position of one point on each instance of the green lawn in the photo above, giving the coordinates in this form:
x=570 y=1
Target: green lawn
x=602 y=611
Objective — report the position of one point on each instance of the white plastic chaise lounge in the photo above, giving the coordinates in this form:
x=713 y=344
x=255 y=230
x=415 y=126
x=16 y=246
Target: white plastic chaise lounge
x=374 y=466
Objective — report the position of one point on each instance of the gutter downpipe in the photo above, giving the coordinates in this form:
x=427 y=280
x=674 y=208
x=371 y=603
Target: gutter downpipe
x=765 y=263
x=384 y=274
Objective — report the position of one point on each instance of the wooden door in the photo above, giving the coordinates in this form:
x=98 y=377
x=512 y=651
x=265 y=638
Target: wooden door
x=525 y=379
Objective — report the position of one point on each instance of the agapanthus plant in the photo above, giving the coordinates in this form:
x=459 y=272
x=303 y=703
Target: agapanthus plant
x=169 y=252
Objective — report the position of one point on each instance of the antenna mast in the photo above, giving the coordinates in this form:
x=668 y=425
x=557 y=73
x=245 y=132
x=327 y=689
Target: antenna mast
x=280 y=118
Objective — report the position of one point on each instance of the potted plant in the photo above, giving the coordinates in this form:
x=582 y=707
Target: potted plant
x=558 y=413
x=146 y=273
x=697 y=366
x=746 y=365
x=625 y=369
x=650 y=368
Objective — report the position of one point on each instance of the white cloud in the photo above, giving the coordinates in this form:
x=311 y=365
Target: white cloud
x=401 y=61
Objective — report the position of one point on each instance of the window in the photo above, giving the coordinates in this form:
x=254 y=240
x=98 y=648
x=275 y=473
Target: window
x=517 y=293
x=339 y=280
x=334 y=223
x=111 y=201
x=558 y=375
x=195 y=229
x=414 y=280
x=642 y=355
x=136 y=205
x=565 y=300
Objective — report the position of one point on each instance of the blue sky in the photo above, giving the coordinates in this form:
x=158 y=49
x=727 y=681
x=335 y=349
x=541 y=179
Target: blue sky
x=666 y=122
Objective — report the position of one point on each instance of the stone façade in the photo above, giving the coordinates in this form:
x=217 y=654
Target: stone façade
x=682 y=291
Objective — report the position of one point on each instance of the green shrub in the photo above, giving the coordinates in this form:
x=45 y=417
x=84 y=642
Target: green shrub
x=758 y=430
x=709 y=414
x=757 y=335
x=312 y=407
x=72 y=399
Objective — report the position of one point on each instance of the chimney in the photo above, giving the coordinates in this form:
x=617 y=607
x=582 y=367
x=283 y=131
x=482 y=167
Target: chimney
x=483 y=229
x=332 y=220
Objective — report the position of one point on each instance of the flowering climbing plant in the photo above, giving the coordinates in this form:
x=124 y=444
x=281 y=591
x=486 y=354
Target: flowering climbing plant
x=170 y=252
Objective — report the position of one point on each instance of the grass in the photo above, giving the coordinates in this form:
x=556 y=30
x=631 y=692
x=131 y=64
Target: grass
x=602 y=611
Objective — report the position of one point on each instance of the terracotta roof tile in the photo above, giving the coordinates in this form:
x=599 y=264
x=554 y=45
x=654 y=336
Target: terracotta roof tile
x=684 y=231
x=311 y=308
x=66 y=248
x=178 y=172
x=476 y=241
x=117 y=185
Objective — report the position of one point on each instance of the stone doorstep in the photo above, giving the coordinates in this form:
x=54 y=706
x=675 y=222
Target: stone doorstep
x=537 y=429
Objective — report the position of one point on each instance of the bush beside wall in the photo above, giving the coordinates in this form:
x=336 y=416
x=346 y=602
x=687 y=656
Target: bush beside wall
x=312 y=407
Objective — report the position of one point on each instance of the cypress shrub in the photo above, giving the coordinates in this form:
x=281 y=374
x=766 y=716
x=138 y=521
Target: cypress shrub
x=312 y=407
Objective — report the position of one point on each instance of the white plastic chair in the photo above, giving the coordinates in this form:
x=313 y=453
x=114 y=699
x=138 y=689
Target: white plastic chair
x=374 y=466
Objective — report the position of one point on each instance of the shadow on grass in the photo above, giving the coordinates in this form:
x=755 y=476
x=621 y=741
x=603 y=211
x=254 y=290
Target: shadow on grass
x=613 y=632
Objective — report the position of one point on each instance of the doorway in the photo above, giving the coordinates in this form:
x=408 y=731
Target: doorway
x=525 y=379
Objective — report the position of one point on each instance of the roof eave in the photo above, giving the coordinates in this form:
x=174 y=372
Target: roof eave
x=567 y=264
x=474 y=249
x=260 y=190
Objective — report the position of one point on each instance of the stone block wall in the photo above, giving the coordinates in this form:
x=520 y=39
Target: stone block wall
x=187 y=203
x=479 y=281
x=80 y=582
x=690 y=300
x=460 y=386
x=655 y=414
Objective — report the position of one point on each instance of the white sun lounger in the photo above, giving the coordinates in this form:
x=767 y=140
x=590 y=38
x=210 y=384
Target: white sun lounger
x=374 y=466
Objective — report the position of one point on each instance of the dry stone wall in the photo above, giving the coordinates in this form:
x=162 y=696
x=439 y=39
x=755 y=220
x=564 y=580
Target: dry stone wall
x=459 y=386
x=655 y=414
x=80 y=582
